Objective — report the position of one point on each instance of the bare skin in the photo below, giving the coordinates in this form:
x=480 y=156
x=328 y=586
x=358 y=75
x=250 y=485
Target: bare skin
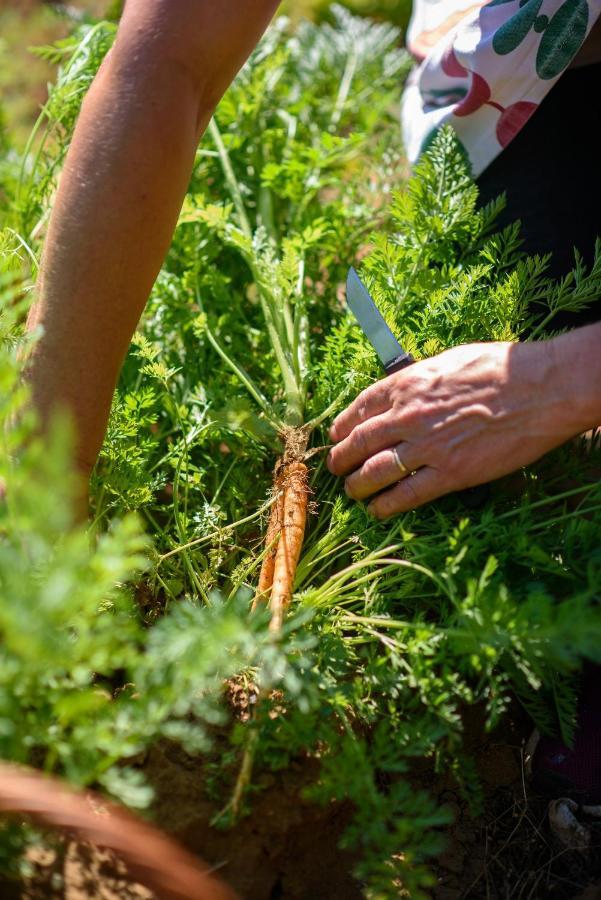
x=465 y=417
x=124 y=180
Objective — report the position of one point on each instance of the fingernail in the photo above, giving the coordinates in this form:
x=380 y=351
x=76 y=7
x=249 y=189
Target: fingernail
x=329 y=463
x=371 y=511
x=333 y=433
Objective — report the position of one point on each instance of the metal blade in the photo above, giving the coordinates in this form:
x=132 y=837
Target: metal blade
x=372 y=323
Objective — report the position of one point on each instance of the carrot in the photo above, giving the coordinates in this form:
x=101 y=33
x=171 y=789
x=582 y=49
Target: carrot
x=294 y=520
x=288 y=520
x=153 y=858
x=274 y=528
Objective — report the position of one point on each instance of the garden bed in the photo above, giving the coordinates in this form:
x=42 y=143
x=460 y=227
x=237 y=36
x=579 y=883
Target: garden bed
x=289 y=848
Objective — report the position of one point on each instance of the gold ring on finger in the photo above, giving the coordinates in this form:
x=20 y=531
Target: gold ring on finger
x=400 y=464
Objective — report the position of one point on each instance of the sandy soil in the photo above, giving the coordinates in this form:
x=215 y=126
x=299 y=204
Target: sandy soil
x=288 y=848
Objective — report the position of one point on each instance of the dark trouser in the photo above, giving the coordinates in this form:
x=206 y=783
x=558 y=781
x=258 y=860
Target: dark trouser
x=551 y=174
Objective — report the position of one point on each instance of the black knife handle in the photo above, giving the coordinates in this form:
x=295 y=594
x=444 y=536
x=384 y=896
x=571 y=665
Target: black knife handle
x=401 y=362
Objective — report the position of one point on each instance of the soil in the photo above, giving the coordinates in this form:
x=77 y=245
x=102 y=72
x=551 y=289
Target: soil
x=509 y=852
x=288 y=848
x=76 y=872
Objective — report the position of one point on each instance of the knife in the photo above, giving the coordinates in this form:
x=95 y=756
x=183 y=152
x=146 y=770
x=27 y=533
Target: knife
x=391 y=354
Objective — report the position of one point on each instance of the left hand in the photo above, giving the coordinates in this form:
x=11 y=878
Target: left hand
x=470 y=415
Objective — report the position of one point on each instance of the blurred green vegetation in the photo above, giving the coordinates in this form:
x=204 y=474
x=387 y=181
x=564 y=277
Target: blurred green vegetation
x=396 y=11
x=23 y=75
x=28 y=23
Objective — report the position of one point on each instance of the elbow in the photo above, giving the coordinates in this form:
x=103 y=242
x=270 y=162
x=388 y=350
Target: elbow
x=162 y=82
x=200 y=45
x=147 y=62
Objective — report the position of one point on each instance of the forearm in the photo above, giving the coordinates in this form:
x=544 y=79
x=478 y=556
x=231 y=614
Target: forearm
x=122 y=187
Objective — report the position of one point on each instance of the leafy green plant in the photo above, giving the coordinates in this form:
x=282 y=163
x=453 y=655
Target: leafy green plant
x=72 y=639
x=84 y=687
x=395 y=629
x=396 y=11
x=257 y=243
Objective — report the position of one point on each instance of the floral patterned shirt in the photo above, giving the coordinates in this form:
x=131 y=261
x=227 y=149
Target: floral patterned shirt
x=485 y=67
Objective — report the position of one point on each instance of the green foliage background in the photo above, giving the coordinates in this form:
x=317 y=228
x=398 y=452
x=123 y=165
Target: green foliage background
x=29 y=23
x=396 y=11
x=117 y=636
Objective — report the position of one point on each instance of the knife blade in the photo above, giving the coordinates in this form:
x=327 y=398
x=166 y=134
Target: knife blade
x=372 y=323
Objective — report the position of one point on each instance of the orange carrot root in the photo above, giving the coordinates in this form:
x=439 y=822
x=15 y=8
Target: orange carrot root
x=294 y=520
x=274 y=528
x=284 y=542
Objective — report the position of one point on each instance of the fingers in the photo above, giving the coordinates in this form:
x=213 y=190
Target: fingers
x=367 y=438
x=373 y=401
x=426 y=485
x=382 y=470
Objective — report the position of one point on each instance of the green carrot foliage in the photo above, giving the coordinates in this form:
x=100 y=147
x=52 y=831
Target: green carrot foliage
x=113 y=639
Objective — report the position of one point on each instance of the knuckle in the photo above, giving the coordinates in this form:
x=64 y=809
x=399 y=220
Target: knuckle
x=362 y=408
x=388 y=504
x=372 y=468
x=366 y=480
x=410 y=413
x=403 y=498
x=412 y=496
x=386 y=507
x=375 y=509
x=398 y=398
x=361 y=402
x=361 y=438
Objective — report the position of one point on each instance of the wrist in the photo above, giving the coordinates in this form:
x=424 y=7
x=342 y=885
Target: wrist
x=576 y=377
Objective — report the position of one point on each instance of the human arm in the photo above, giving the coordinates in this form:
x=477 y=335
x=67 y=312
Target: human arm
x=470 y=415
x=120 y=193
